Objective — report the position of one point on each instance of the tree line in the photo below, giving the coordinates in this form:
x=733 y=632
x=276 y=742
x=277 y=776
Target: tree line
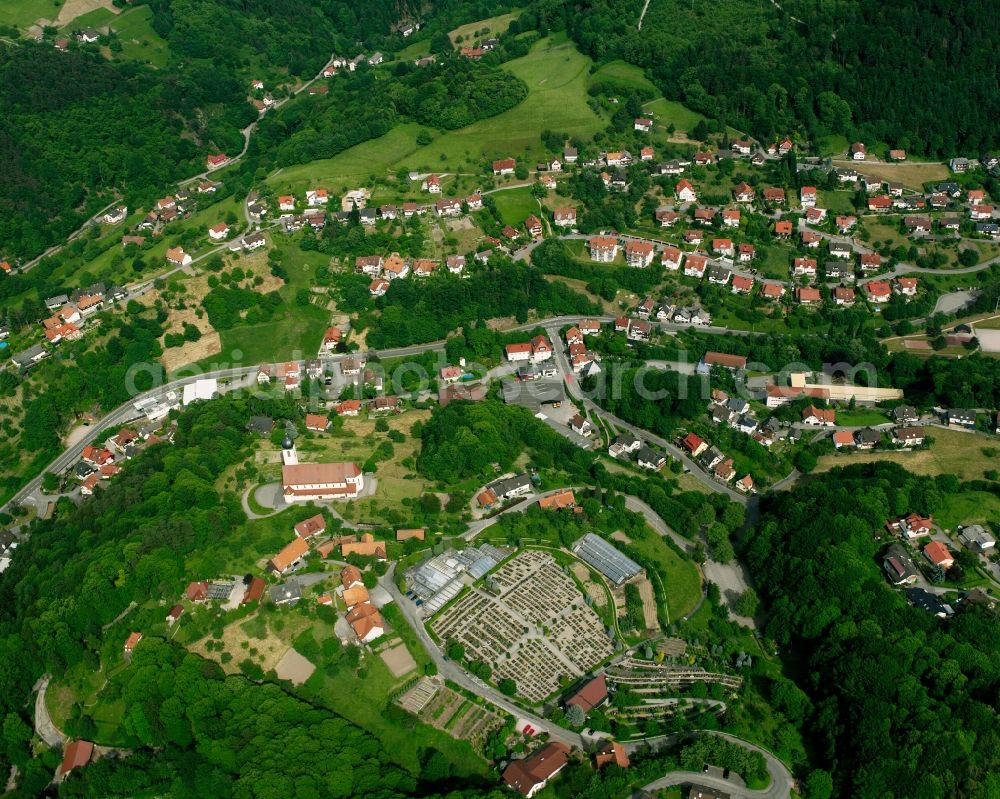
x=899 y=703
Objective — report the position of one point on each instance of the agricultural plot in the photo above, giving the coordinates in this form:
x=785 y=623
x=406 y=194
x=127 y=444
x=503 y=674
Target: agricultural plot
x=439 y=706
x=484 y=28
x=966 y=455
x=528 y=624
x=21 y=13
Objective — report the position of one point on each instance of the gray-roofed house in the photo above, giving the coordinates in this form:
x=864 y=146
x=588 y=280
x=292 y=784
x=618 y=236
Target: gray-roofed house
x=961 y=417
x=649 y=458
x=56 y=302
x=867 y=438
x=262 y=425
x=507 y=487
x=899 y=567
x=27 y=357
x=905 y=414
x=287 y=593
x=977 y=538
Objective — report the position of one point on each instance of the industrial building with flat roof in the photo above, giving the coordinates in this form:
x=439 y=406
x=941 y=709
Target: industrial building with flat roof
x=606 y=559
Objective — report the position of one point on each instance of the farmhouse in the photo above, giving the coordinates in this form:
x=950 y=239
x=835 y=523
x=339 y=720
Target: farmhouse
x=504 y=166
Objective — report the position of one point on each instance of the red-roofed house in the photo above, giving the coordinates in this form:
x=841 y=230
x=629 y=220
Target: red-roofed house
x=694 y=444
x=807 y=295
x=819 y=417
x=611 y=752
x=76 y=755
x=843 y=295
x=530 y=775
x=782 y=228
x=314 y=525
x=603 y=248
x=744 y=193
x=773 y=291
x=907 y=286
x=843 y=438
x=877 y=291
x=742 y=284
x=685 y=191
x=591 y=695
x=504 y=166
x=216 y=161
x=638 y=253
x=938 y=554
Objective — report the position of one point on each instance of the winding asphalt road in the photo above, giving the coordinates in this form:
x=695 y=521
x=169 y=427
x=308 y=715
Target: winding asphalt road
x=572 y=386
x=242 y=374
x=779 y=788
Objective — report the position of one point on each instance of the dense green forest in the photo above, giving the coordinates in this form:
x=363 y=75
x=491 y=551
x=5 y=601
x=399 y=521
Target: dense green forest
x=68 y=145
x=416 y=311
x=901 y=704
x=917 y=74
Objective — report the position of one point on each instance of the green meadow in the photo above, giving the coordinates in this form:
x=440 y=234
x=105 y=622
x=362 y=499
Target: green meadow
x=557 y=77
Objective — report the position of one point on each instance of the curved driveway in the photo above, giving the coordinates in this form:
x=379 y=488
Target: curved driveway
x=781 y=778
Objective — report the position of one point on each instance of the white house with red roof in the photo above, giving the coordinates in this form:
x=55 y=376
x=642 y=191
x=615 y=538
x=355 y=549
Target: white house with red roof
x=807 y=196
x=217 y=161
x=877 y=291
x=643 y=125
x=504 y=166
x=685 y=191
x=564 y=217
x=638 y=253
x=603 y=248
x=695 y=265
x=671 y=257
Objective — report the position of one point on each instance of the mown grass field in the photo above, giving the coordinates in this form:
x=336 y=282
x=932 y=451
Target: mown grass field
x=493 y=26
x=968 y=507
x=954 y=452
x=680 y=576
x=97 y=18
x=837 y=202
x=628 y=76
x=912 y=174
x=515 y=204
x=22 y=13
x=139 y=41
x=861 y=416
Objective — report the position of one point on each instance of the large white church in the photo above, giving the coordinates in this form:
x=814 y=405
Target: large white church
x=301 y=482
